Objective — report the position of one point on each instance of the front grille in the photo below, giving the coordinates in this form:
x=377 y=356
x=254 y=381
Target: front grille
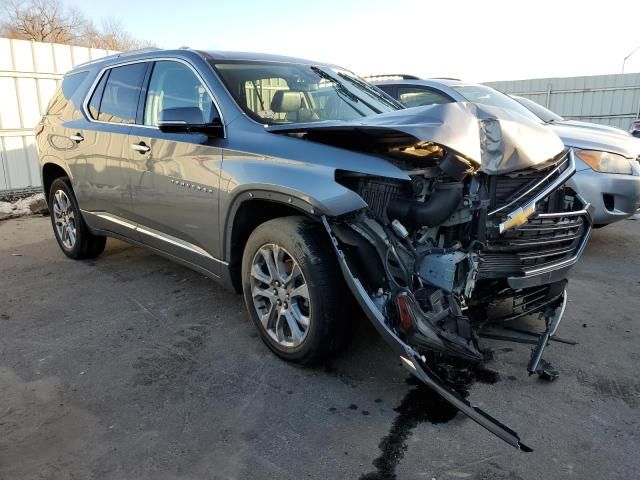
x=540 y=243
x=553 y=236
x=516 y=189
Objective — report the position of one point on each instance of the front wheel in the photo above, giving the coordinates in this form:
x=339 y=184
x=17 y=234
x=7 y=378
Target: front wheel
x=293 y=289
x=72 y=234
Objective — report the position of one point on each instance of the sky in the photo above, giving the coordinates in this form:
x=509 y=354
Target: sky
x=478 y=41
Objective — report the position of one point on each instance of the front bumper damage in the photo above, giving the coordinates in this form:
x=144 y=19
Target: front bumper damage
x=413 y=361
x=529 y=254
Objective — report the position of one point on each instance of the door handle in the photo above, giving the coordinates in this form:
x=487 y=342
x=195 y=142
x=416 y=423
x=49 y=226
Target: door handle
x=77 y=137
x=140 y=147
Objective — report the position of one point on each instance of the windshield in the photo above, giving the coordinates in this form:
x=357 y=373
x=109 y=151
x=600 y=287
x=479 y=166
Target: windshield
x=541 y=112
x=276 y=93
x=488 y=96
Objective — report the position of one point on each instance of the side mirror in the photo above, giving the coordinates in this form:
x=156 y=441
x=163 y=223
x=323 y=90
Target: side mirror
x=188 y=120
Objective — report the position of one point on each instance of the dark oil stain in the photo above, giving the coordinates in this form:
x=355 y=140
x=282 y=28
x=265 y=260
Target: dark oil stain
x=421 y=404
x=365 y=412
x=332 y=409
x=378 y=400
x=330 y=368
x=353 y=406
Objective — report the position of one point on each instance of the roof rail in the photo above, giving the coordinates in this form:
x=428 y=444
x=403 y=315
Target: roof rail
x=390 y=76
x=118 y=55
x=447 y=78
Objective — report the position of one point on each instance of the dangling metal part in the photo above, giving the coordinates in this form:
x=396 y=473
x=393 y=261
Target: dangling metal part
x=412 y=360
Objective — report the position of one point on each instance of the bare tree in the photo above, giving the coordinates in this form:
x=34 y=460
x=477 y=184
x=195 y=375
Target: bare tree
x=53 y=21
x=112 y=36
x=42 y=21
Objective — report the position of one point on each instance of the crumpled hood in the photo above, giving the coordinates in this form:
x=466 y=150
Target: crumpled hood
x=594 y=139
x=499 y=140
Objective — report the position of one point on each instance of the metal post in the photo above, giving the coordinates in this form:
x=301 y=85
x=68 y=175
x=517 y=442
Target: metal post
x=625 y=58
x=548 y=102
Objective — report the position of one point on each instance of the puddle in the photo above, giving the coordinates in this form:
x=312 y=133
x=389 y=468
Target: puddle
x=421 y=404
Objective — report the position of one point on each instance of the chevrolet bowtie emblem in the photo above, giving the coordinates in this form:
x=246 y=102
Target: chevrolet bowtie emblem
x=517 y=218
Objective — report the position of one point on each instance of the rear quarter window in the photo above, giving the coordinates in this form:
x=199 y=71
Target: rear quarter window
x=69 y=87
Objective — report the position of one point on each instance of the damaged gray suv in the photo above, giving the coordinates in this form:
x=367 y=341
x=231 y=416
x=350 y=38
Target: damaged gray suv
x=305 y=187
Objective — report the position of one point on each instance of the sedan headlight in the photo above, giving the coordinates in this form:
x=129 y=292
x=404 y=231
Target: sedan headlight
x=606 y=162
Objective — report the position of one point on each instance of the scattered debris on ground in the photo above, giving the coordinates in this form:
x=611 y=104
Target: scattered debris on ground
x=15 y=206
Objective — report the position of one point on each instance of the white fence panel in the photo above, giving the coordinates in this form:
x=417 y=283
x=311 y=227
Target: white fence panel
x=29 y=75
x=607 y=99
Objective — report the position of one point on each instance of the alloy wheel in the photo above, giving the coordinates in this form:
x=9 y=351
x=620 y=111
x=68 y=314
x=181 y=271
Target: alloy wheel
x=64 y=218
x=280 y=295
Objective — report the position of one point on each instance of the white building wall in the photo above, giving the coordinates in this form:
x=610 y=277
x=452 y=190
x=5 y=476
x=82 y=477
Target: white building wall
x=30 y=72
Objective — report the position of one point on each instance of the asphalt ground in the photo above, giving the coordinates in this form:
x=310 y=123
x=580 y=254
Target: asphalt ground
x=132 y=367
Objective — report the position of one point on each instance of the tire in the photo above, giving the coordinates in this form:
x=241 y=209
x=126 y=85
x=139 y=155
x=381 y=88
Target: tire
x=302 y=242
x=66 y=219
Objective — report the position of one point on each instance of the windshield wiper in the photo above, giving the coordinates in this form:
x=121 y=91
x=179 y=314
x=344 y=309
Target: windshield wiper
x=371 y=90
x=340 y=88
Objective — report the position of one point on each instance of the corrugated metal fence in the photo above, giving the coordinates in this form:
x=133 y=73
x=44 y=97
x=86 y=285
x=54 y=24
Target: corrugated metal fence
x=608 y=99
x=29 y=75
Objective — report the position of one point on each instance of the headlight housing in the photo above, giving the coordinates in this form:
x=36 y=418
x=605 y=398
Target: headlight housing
x=606 y=162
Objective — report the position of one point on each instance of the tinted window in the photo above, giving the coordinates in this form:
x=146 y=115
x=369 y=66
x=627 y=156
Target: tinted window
x=388 y=89
x=94 y=103
x=416 y=96
x=488 y=96
x=121 y=94
x=70 y=85
x=540 y=111
x=174 y=85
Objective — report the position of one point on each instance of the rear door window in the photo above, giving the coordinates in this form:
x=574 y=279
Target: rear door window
x=119 y=99
x=418 y=96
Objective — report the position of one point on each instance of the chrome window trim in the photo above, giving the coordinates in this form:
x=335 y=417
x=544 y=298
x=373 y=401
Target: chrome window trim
x=85 y=103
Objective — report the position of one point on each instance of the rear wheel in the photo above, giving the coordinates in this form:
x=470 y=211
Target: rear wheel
x=72 y=234
x=293 y=290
